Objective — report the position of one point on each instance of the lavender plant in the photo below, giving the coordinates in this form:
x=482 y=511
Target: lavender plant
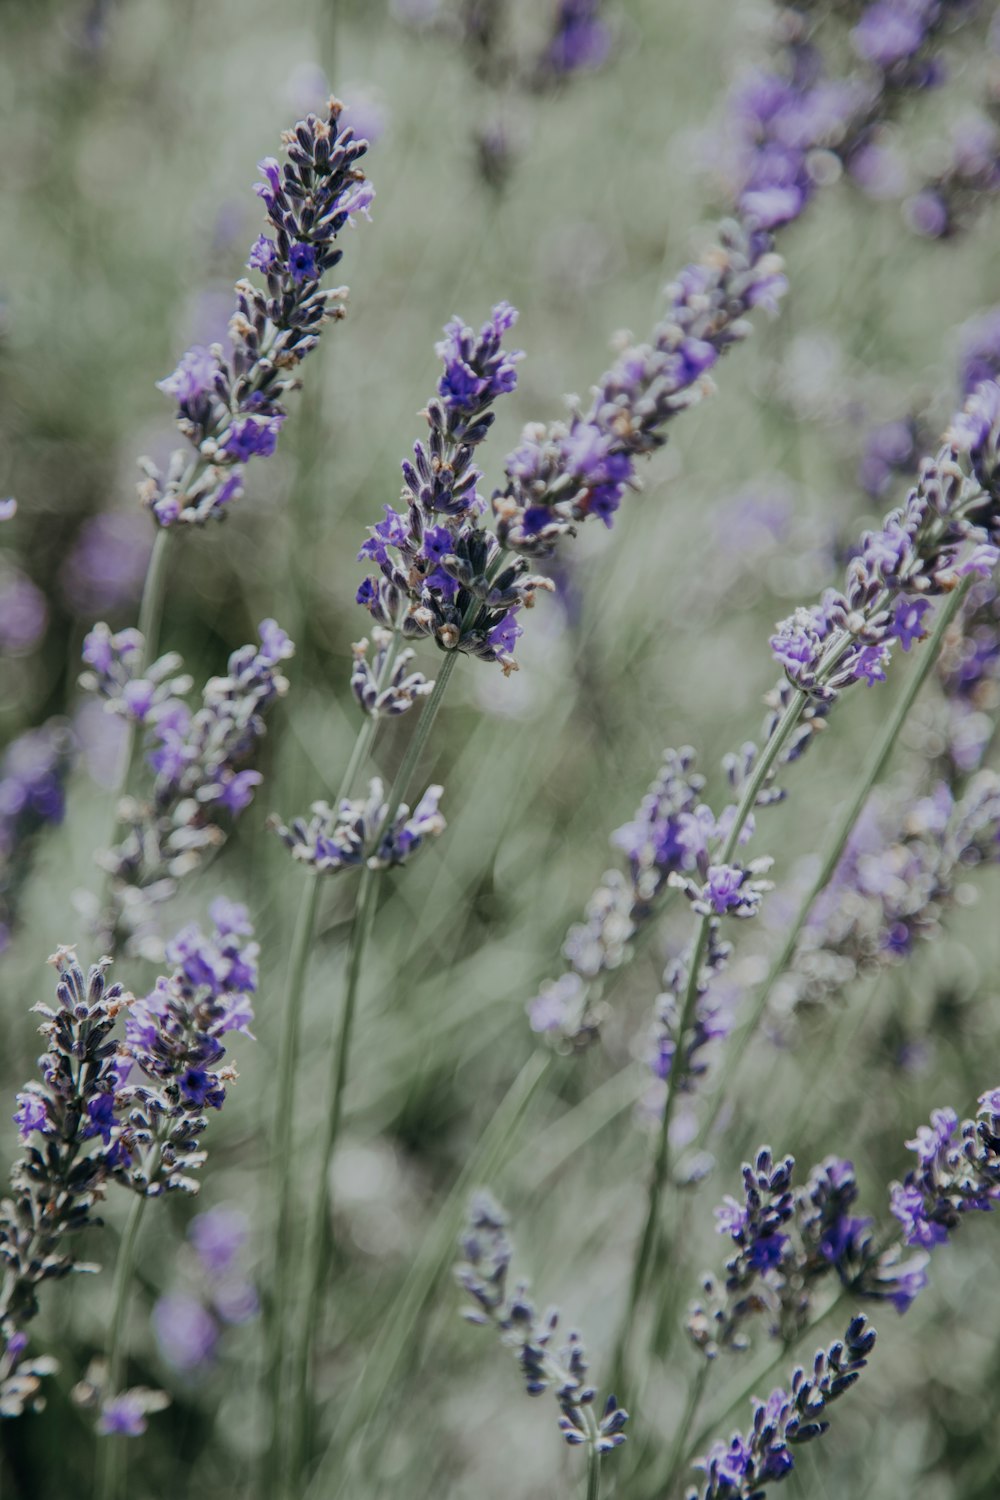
x=460 y=563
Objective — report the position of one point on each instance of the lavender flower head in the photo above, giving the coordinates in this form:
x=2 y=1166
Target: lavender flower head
x=441 y=572
x=482 y=1273
x=231 y=410
x=359 y=833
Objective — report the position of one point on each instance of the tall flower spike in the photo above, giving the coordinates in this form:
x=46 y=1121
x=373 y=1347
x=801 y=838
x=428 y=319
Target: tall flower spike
x=174 y=1039
x=739 y=1469
x=231 y=409
x=198 y=759
x=441 y=572
x=66 y=1122
x=483 y=1274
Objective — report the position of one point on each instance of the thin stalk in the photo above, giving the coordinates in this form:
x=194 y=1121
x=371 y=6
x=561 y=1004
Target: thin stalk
x=871 y=772
x=154 y=590
x=661 y=1162
x=281 y=1177
x=318 y=1228
x=111 y=1450
x=594 y=1474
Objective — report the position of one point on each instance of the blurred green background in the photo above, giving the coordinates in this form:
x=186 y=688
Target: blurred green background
x=131 y=133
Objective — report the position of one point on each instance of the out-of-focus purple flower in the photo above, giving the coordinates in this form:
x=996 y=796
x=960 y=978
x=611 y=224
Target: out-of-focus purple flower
x=979 y=350
x=580 y=40
x=890 y=31
x=24 y=613
x=185 y=1330
x=218 y=1236
x=927 y=214
x=889 y=450
x=104 y=570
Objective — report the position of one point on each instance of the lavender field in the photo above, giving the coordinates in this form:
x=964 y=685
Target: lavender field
x=516 y=868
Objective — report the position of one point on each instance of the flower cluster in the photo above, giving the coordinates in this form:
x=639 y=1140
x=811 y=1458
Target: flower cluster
x=197 y=758
x=792 y=130
x=580 y=41
x=786 y=1242
x=666 y=835
x=969 y=674
x=64 y=1118
x=230 y=410
x=33 y=772
x=385 y=686
x=357 y=832
x=891 y=449
x=739 y=1469
x=174 y=1039
x=441 y=572
x=898 y=872
x=483 y=1275
x=947 y=528
x=957 y=1171
x=947 y=204
x=188 y=1320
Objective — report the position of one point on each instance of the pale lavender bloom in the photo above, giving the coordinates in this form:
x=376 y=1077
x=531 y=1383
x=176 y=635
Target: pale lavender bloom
x=218 y=1236
x=24 y=613
x=104 y=571
x=185 y=1330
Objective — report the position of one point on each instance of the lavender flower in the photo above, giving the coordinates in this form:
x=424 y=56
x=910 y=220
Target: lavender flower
x=949 y=202
x=69 y=1152
x=580 y=40
x=979 y=351
x=739 y=1469
x=483 y=1275
x=441 y=572
x=230 y=410
x=104 y=570
x=200 y=779
x=124 y=1414
x=174 y=1039
x=667 y=834
x=356 y=833
x=24 y=614
x=957 y=1172
x=33 y=772
x=896 y=876
x=385 y=686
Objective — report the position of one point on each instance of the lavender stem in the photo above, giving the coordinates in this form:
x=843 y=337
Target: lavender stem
x=318 y=1228
x=658 y=1176
x=111 y=1450
x=831 y=857
x=281 y=1181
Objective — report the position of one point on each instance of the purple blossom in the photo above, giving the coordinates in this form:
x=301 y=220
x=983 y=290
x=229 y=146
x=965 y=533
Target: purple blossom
x=123 y=1416
x=890 y=31
x=219 y=1236
x=302 y=264
x=24 y=614
x=252 y=436
x=186 y=1332
x=31 y=1114
x=193 y=378
x=908 y=621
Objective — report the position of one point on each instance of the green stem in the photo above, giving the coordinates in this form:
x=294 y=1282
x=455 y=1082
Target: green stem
x=316 y=1260
x=281 y=1177
x=594 y=1474
x=661 y=1162
x=872 y=770
x=111 y=1451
